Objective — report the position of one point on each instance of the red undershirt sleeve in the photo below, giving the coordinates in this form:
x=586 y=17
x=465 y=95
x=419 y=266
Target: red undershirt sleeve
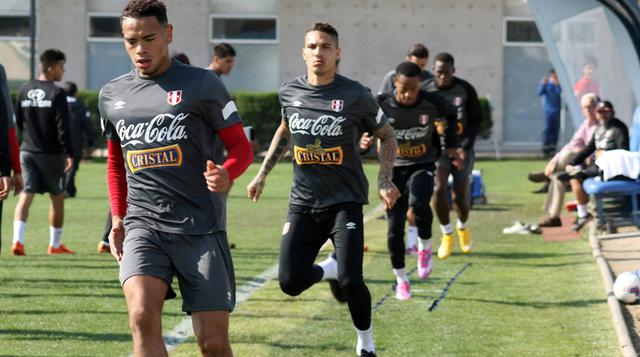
x=116 y=179
x=14 y=151
x=239 y=151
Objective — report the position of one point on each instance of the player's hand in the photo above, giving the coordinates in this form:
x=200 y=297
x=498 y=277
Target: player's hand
x=366 y=140
x=68 y=165
x=217 y=178
x=457 y=157
x=389 y=194
x=255 y=187
x=17 y=183
x=5 y=187
x=116 y=237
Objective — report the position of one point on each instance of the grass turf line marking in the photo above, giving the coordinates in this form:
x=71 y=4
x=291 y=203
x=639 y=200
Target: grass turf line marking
x=446 y=288
x=184 y=329
x=387 y=295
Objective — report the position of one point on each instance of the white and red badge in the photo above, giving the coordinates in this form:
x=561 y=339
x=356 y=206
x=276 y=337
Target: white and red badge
x=174 y=97
x=457 y=101
x=337 y=105
x=424 y=119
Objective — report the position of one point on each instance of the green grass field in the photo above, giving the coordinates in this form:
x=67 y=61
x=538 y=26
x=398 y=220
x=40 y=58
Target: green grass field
x=520 y=296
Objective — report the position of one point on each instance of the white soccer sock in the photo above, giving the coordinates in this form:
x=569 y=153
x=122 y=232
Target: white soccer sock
x=582 y=210
x=401 y=275
x=55 y=236
x=461 y=225
x=18 y=231
x=365 y=341
x=424 y=244
x=329 y=269
x=412 y=235
x=446 y=229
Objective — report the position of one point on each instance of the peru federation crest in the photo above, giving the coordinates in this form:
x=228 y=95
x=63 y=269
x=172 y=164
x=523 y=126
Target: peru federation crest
x=337 y=105
x=424 y=119
x=457 y=101
x=174 y=97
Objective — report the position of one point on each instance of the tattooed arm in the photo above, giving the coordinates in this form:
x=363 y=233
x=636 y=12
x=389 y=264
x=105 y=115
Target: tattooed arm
x=277 y=149
x=387 y=154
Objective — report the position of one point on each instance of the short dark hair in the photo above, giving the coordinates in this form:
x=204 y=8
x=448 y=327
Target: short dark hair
x=408 y=69
x=223 y=50
x=50 y=57
x=444 y=57
x=552 y=71
x=145 y=8
x=326 y=28
x=590 y=60
x=418 y=50
x=70 y=88
x=181 y=57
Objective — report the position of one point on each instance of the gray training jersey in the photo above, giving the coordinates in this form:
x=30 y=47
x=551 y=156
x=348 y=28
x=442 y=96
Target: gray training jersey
x=325 y=124
x=166 y=127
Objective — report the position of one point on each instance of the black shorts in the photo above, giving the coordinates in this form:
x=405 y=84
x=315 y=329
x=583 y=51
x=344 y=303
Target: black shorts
x=43 y=172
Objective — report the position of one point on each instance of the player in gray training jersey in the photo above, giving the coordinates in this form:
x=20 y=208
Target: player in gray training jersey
x=323 y=114
x=464 y=97
x=417 y=54
x=160 y=121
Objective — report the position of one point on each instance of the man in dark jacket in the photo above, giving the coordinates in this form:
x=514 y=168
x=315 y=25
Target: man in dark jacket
x=82 y=130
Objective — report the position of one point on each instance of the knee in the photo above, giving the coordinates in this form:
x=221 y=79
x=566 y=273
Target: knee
x=143 y=321
x=350 y=283
x=290 y=285
x=213 y=346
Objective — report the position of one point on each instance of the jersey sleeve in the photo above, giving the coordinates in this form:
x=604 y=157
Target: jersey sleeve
x=219 y=109
x=62 y=122
x=373 y=118
x=450 y=114
x=107 y=128
x=474 y=117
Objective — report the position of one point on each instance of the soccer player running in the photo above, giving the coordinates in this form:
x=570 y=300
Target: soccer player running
x=160 y=121
x=413 y=113
x=469 y=116
x=46 y=154
x=323 y=114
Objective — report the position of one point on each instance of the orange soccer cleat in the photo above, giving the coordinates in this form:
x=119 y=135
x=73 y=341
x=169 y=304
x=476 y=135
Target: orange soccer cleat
x=103 y=247
x=17 y=249
x=60 y=250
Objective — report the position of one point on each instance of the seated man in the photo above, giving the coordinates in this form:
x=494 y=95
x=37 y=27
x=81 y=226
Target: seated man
x=556 y=165
x=611 y=134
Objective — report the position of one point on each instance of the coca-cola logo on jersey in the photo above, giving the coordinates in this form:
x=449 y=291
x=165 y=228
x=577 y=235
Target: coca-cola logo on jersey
x=162 y=128
x=36 y=99
x=412 y=133
x=325 y=125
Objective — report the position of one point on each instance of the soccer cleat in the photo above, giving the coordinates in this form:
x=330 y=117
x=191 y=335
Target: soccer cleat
x=103 y=247
x=550 y=222
x=464 y=237
x=446 y=246
x=581 y=222
x=60 y=250
x=403 y=291
x=364 y=353
x=425 y=263
x=330 y=268
x=412 y=250
x=17 y=249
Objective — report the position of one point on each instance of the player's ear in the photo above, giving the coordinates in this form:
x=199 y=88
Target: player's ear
x=169 y=33
x=338 y=53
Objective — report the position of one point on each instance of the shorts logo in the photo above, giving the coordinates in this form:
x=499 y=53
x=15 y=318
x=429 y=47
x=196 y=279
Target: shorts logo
x=407 y=150
x=316 y=154
x=351 y=225
x=457 y=101
x=424 y=119
x=174 y=97
x=150 y=158
x=337 y=105
x=285 y=229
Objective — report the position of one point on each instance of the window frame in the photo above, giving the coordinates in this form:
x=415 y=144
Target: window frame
x=506 y=43
x=213 y=40
x=101 y=39
x=16 y=14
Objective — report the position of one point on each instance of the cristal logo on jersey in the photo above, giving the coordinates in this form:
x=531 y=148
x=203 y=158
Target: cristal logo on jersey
x=408 y=150
x=424 y=119
x=174 y=97
x=337 y=105
x=316 y=154
x=158 y=157
x=457 y=101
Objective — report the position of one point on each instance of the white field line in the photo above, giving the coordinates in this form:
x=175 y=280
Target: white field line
x=184 y=330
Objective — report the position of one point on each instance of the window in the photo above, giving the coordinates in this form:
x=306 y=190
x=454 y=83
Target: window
x=101 y=26
x=14 y=26
x=244 y=29
x=106 y=57
x=521 y=32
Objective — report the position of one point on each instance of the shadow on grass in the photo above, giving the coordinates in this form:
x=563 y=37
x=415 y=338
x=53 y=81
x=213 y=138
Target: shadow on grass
x=537 y=304
x=39 y=295
x=528 y=255
x=280 y=315
x=58 y=283
x=16 y=334
x=496 y=208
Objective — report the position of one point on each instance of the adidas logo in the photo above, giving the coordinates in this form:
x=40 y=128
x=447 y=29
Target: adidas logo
x=351 y=225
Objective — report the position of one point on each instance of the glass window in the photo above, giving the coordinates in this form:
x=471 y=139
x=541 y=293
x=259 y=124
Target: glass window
x=255 y=68
x=14 y=26
x=106 y=61
x=522 y=31
x=238 y=28
x=104 y=27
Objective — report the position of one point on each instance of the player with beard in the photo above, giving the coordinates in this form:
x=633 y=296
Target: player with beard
x=323 y=114
x=166 y=192
x=469 y=116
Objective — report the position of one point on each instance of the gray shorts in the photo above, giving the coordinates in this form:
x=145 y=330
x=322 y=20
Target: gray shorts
x=459 y=176
x=202 y=264
x=43 y=172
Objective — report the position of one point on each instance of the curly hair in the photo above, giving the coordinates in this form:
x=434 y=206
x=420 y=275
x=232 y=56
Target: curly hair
x=145 y=8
